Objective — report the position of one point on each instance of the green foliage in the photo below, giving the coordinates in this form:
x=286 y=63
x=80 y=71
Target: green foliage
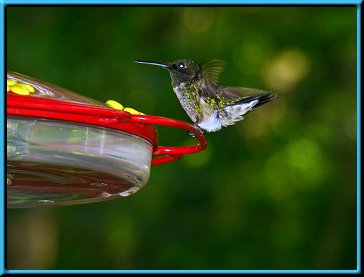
x=275 y=191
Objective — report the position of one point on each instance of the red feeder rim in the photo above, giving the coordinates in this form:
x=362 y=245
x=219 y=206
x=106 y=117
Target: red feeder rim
x=139 y=125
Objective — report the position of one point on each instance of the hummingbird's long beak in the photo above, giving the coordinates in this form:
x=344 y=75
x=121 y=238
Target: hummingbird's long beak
x=154 y=63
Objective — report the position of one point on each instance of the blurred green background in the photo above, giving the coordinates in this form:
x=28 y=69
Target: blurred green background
x=275 y=191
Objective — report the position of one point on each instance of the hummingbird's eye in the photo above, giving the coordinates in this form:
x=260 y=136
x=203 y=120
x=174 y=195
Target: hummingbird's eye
x=181 y=65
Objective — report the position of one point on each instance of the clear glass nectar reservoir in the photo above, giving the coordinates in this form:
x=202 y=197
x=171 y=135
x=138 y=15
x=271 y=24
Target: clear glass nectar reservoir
x=59 y=163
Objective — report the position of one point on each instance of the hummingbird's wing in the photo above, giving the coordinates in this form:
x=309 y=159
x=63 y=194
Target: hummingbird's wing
x=212 y=70
x=237 y=93
x=245 y=95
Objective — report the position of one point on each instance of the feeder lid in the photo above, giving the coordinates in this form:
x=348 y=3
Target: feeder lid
x=64 y=148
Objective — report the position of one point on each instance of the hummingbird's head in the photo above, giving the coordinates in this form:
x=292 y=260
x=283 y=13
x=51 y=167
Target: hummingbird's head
x=181 y=71
x=184 y=70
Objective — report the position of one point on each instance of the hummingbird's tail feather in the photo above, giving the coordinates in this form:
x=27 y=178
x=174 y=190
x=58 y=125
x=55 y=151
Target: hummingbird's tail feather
x=263 y=99
x=235 y=112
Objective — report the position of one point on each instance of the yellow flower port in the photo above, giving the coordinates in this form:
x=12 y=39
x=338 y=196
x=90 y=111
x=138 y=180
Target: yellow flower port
x=116 y=105
x=19 y=88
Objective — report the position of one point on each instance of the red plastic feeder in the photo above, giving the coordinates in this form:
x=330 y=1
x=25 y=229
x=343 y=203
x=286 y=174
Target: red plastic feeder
x=65 y=149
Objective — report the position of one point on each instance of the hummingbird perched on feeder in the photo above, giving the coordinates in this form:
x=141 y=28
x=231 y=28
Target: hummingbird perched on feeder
x=210 y=105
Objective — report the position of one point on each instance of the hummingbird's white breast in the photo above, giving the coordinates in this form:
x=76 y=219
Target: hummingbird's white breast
x=210 y=120
x=214 y=119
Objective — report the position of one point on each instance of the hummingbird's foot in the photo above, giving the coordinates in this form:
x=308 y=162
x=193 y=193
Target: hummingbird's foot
x=198 y=128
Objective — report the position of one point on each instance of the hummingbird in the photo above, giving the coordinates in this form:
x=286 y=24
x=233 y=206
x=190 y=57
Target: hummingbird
x=210 y=105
